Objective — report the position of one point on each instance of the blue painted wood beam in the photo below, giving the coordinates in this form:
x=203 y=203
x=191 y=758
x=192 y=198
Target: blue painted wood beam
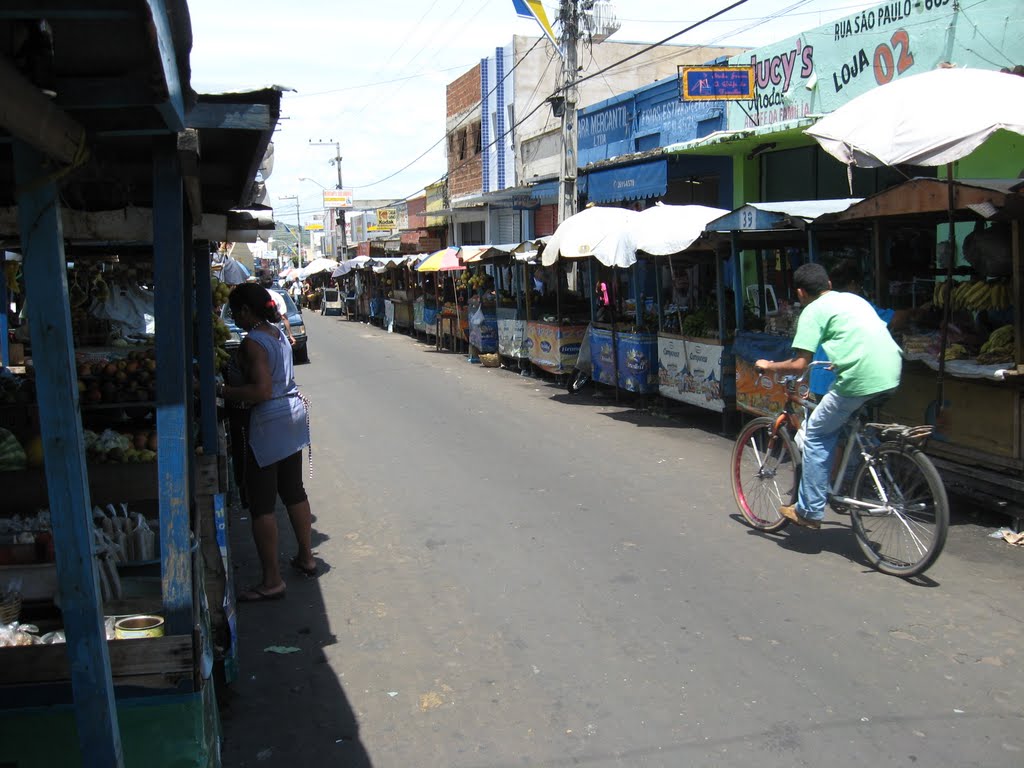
x=172 y=424
x=737 y=277
x=173 y=110
x=204 y=350
x=253 y=117
x=5 y=302
x=67 y=481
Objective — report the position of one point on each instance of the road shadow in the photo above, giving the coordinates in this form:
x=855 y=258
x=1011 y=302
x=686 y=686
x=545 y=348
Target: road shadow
x=834 y=537
x=287 y=707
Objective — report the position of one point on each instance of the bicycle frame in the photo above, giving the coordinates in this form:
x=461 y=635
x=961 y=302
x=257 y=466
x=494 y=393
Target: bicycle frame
x=853 y=441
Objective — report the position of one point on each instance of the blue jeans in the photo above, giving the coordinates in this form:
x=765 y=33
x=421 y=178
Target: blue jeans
x=824 y=426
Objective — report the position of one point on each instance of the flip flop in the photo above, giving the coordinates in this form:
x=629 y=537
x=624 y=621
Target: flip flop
x=310 y=572
x=257 y=595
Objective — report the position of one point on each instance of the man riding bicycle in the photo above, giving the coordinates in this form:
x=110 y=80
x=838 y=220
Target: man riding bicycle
x=867 y=362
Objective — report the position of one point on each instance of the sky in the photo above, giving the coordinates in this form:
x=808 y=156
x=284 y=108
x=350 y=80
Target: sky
x=372 y=76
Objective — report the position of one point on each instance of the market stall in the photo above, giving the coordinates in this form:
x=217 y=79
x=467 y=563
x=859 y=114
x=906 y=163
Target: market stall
x=694 y=341
x=452 y=320
x=781 y=236
x=399 y=291
x=112 y=510
x=556 y=317
x=979 y=440
x=623 y=346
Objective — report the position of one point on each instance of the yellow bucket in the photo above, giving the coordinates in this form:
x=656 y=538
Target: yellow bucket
x=134 y=627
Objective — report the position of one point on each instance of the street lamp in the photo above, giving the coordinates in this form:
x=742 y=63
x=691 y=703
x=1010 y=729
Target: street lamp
x=336 y=162
x=298 y=225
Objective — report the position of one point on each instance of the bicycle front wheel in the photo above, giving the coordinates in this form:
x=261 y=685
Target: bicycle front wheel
x=906 y=537
x=765 y=474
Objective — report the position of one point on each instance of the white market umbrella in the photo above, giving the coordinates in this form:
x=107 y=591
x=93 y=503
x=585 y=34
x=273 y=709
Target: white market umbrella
x=603 y=233
x=316 y=266
x=665 y=229
x=933 y=118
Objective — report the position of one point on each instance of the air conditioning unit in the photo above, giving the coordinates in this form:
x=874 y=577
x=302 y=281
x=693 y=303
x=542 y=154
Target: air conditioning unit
x=601 y=20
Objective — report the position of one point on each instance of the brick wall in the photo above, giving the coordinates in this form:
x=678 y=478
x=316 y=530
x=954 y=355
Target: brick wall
x=465 y=162
x=544 y=219
x=464 y=92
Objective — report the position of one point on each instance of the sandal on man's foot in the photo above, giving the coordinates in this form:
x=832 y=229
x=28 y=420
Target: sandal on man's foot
x=311 y=572
x=257 y=594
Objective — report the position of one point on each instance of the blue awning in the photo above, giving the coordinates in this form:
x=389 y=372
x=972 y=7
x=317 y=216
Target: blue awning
x=546 y=191
x=630 y=182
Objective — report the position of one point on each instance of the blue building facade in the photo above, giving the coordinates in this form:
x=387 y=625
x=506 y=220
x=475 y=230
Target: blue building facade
x=632 y=127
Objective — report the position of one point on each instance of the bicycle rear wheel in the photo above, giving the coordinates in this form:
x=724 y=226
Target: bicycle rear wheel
x=765 y=474
x=906 y=538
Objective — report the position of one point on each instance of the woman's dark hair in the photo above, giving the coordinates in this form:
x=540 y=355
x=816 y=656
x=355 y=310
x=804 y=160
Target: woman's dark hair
x=257 y=299
x=812 y=278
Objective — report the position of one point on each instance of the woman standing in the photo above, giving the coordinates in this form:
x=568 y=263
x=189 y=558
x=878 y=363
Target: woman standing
x=278 y=431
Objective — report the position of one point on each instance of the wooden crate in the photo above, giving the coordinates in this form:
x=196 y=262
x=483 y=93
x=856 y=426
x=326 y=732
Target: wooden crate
x=153 y=662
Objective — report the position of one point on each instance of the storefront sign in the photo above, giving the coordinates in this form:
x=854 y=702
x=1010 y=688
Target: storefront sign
x=386 y=220
x=338 y=198
x=716 y=83
x=604 y=127
x=823 y=68
x=691 y=371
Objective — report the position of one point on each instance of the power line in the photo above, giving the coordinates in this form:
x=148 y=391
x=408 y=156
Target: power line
x=460 y=122
x=379 y=82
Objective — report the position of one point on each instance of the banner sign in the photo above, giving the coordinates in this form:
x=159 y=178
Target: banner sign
x=314 y=226
x=819 y=70
x=716 y=83
x=386 y=219
x=691 y=372
x=338 y=198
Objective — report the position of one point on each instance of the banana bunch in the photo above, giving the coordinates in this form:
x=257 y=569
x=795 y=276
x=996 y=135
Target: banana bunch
x=999 y=347
x=975 y=297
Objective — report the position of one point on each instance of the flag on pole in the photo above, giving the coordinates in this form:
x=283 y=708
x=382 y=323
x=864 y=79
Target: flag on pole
x=534 y=9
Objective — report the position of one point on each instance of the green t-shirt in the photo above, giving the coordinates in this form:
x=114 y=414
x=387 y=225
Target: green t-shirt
x=856 y=340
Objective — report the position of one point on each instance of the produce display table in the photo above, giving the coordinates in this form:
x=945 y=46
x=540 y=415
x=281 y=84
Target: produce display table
x=697 y=371
x=553 y=347
x=634 y=356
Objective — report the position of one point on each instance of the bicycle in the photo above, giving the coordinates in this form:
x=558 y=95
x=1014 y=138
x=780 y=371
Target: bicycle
x=896 y=500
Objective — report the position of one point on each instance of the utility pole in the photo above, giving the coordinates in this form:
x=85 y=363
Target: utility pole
x=341 y=211
x=569 y=16
x=298 y=225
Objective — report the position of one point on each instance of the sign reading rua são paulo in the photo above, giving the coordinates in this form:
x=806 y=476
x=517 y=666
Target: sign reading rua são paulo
x=817 y=71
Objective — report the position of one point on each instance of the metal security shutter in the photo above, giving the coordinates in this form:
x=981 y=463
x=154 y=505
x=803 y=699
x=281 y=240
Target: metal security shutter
x=507 y=227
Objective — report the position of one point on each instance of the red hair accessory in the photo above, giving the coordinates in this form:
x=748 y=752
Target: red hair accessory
x=270 y=304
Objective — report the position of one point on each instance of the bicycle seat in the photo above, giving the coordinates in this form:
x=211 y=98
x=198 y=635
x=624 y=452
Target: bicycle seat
x=875 y=401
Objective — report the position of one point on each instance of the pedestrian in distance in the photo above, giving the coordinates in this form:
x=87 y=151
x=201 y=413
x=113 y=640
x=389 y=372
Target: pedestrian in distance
x=277 y=431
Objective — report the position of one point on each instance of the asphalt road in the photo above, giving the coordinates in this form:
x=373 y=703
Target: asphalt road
x=520 y=578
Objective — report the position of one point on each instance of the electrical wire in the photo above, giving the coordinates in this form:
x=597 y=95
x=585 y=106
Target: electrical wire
x=380 y=82
x=523 y=119
x=460 y=122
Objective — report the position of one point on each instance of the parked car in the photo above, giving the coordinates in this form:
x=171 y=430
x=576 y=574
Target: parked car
x=300 y=352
